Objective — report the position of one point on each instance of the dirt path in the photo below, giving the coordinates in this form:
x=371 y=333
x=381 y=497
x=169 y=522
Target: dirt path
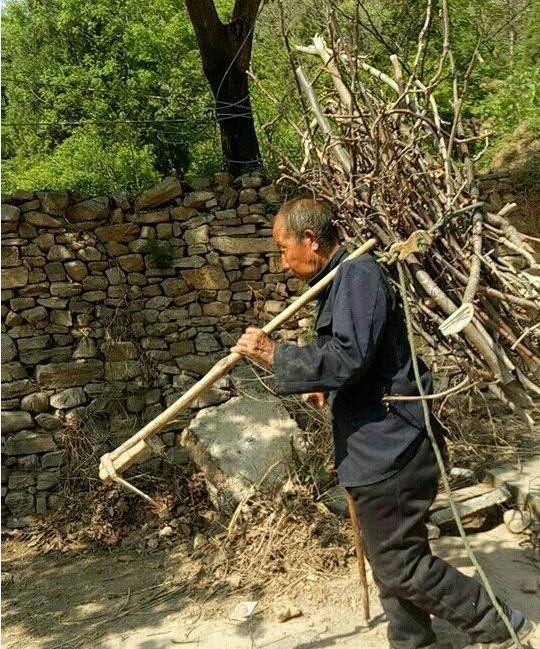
x=117 y=599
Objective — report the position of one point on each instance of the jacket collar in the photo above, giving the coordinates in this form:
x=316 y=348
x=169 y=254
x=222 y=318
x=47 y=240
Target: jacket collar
x=334 y=260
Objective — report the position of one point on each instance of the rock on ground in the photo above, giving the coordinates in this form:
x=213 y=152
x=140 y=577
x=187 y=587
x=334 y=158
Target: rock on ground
x=241 y=443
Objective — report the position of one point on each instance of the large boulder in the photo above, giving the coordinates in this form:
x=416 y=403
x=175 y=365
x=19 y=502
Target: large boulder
x=242 y=444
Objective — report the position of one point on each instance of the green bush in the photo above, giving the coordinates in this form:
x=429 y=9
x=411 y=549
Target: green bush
x=84 y=163
x=160 y=252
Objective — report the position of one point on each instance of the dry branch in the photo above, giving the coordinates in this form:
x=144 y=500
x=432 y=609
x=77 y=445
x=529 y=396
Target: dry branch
x=394 y=170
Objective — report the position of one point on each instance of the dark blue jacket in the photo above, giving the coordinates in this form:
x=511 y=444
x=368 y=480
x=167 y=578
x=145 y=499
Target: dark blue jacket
x=361 y=354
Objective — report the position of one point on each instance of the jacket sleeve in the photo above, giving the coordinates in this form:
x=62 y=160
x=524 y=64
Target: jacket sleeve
x=358 y=319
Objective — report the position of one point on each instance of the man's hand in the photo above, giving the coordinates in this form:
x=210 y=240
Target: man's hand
x=255 y=344
x=316 y=399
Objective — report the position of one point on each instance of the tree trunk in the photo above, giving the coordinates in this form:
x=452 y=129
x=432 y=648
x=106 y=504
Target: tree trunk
x=226 y=54
x=239 y=141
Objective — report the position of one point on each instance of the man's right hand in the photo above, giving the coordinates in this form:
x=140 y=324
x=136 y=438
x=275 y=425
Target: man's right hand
x=316 y=399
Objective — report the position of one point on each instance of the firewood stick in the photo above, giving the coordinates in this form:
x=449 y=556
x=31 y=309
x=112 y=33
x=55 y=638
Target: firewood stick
x=359 y=547
x=136 y=447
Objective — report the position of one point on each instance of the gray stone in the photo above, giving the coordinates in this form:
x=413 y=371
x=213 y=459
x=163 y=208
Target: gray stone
x=89 y=254
x=69 y=398
x=217 y=309
x=173 y=287
x=27 y=442
x=182 y=213
x=53 y=302
x=194 y=364
x=47 y=421
x=189 y=262
x=53 y=202
x=20 y=503
x=197 y=200
x=117 y=233
x=47 y=480
x=151 y=218
x=248 y=196
x=131 y=263
x=212 y=397
x=21 y=481
x=55 y=273
x=35 y=342
x=34 y=315
x=76 y=270
x=9 y=350
x=197 y=235
x=14 y=277
x=17 y=388
x=13 y=421
x=53 y=459
x=21 y=303
x=45 y=241
x=92 y=209
x=65 y=375
x=36 y=402
x=41 y=220
x=122 y=370
x=59 y=253
x=208 y=277
x=12 y=372
x=10 y=256
x=206 y=342
x=65 y=289
x=10 y=217
x=271 y=194
x=246 y=441
x=61 y=318
x=119 y=350
x=115 y=276
x=86 y=348
x=165 y=192
x=243 y=245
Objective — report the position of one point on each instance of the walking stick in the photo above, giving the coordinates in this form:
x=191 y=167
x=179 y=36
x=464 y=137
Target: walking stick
x=359 y=546
x=136 y=448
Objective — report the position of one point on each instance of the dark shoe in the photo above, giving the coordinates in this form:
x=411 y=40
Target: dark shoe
x=524 y=632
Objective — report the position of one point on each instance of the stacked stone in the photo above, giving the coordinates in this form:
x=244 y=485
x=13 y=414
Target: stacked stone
x=96 y=324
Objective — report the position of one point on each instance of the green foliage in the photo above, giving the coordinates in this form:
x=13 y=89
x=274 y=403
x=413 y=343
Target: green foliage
x=84 y=163
x=129 y=70
x=102 y=95
x=160 y=252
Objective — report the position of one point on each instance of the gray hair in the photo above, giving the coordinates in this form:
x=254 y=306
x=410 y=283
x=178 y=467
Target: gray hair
x=303 y=214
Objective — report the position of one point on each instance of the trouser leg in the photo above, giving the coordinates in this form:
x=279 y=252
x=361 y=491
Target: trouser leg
x=393 y=514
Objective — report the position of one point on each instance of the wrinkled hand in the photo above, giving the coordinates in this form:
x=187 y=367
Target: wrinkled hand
x=255 y=344
x=315 y=399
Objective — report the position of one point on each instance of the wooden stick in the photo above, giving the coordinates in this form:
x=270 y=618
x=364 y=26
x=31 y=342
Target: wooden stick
x=136 y=447
x=359 y=546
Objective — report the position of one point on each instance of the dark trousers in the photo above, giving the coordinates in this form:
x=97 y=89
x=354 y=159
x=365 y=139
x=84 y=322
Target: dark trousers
x=412 y=582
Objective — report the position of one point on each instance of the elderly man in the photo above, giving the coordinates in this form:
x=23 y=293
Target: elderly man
x=382 y=453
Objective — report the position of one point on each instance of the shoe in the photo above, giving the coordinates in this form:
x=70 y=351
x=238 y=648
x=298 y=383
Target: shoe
x=524 y=632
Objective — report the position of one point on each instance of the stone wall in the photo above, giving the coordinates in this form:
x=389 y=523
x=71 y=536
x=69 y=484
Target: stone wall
x=113 y=308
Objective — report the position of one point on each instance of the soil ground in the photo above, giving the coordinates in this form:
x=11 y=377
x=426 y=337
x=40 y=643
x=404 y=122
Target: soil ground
x=141 y=600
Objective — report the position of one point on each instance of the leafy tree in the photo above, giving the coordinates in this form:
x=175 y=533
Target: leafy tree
x=129 y=70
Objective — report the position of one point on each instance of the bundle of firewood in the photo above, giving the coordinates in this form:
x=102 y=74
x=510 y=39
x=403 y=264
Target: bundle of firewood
x=375 y=146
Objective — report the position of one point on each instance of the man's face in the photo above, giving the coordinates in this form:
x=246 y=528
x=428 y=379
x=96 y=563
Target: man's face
x=300 y=256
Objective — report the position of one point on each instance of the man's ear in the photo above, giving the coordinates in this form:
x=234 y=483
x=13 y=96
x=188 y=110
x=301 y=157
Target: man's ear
x=313 y=243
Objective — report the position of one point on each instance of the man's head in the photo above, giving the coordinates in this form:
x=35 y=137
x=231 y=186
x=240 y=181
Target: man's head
x=306 y=236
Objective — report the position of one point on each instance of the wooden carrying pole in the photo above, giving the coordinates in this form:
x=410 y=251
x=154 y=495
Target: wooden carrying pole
x=136 y=447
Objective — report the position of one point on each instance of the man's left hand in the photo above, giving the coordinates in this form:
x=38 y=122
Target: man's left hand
x=255 y=344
